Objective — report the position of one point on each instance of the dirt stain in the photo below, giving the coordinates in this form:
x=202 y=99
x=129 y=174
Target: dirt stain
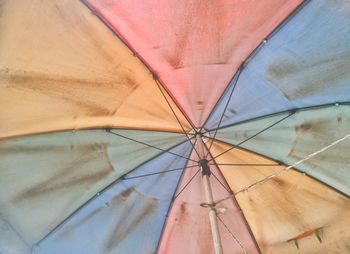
x=65 y=177
x=128 y=221
x=309 y=78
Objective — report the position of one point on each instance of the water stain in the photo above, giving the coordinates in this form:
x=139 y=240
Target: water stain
x=72 y=89
x=176 y=57
x=136 y=211
x=308 y=78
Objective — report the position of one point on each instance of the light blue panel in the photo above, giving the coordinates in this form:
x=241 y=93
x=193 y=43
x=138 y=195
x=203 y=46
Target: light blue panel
x=306 y=63
x=44 y=178
x=298 y=136
x=127 y=218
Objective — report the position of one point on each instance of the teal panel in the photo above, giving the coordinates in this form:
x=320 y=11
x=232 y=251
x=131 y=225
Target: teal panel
x=298 y=136
x=44 y=178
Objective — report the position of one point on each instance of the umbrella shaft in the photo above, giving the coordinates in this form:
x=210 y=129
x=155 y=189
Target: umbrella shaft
x=205 y=168
x=212 y=216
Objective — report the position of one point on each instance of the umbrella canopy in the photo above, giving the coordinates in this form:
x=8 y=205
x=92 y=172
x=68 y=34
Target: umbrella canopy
x=174 y=126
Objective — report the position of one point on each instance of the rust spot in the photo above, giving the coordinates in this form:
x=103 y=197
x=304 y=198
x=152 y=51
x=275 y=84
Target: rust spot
x=304 y=127
x=232 y=111
x=176 y=56
x=304 y=234
x=279 y=182
x=127 y=192
x=183 y=208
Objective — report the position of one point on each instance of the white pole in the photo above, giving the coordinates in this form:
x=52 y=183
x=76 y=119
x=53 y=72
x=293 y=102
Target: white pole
x=209 y=196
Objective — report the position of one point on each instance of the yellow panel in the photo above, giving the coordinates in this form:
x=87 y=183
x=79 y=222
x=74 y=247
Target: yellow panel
x=290 y=207
x=62 y=68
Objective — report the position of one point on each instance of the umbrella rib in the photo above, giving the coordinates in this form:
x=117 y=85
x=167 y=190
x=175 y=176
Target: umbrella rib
x=232 y=235
x=247 y=165
x=143 y=143
x=341 y=103
x=157 y=173
x=177 y=118
x=253 y=136
x=187 y=184
x=225 y=108
x=228 y=190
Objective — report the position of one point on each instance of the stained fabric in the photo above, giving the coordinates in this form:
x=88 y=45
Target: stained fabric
x=304 y=64
x=45 y=178
x=188 y=220
x=300 y=135
x=65 y=70
x=195 y=47
x=290 y=206
x=127 y=218
x=102 y=103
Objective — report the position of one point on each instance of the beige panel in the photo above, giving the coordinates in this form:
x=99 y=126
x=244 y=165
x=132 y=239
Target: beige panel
x=288 y=207
x=62 y=68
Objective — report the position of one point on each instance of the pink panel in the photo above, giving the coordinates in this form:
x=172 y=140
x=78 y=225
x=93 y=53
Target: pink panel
x=194 y=46
x=188 y=228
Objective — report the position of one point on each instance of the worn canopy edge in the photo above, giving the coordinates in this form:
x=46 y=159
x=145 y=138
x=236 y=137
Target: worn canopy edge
x=57 y=227
x=283 y=163
x=235 y=202
x=254 y=52
x=136 y=54
x=334 y=104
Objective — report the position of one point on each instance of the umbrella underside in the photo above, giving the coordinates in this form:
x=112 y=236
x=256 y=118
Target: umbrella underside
x=101 y=104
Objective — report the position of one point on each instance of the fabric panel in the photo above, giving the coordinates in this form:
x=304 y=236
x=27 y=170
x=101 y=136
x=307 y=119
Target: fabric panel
x=44 y=178
x=300 y=135
x=127 y=218
x=60 y=66
x=194 y=46
x=291 y=206
x=188 y=220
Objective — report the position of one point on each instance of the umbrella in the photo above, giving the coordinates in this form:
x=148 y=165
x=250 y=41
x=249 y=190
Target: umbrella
x=174 y=126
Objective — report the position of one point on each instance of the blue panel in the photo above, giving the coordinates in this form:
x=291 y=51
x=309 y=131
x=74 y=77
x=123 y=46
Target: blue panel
x=127 y=218
x=306 y=63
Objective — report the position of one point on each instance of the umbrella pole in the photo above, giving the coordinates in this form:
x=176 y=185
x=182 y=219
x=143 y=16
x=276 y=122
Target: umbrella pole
x=209 y=197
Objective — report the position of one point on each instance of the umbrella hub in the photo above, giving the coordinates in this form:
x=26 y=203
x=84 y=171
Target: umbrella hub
x=203 y=163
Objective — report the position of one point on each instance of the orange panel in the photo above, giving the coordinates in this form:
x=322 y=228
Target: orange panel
x=62 y=68
x=283 y=211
